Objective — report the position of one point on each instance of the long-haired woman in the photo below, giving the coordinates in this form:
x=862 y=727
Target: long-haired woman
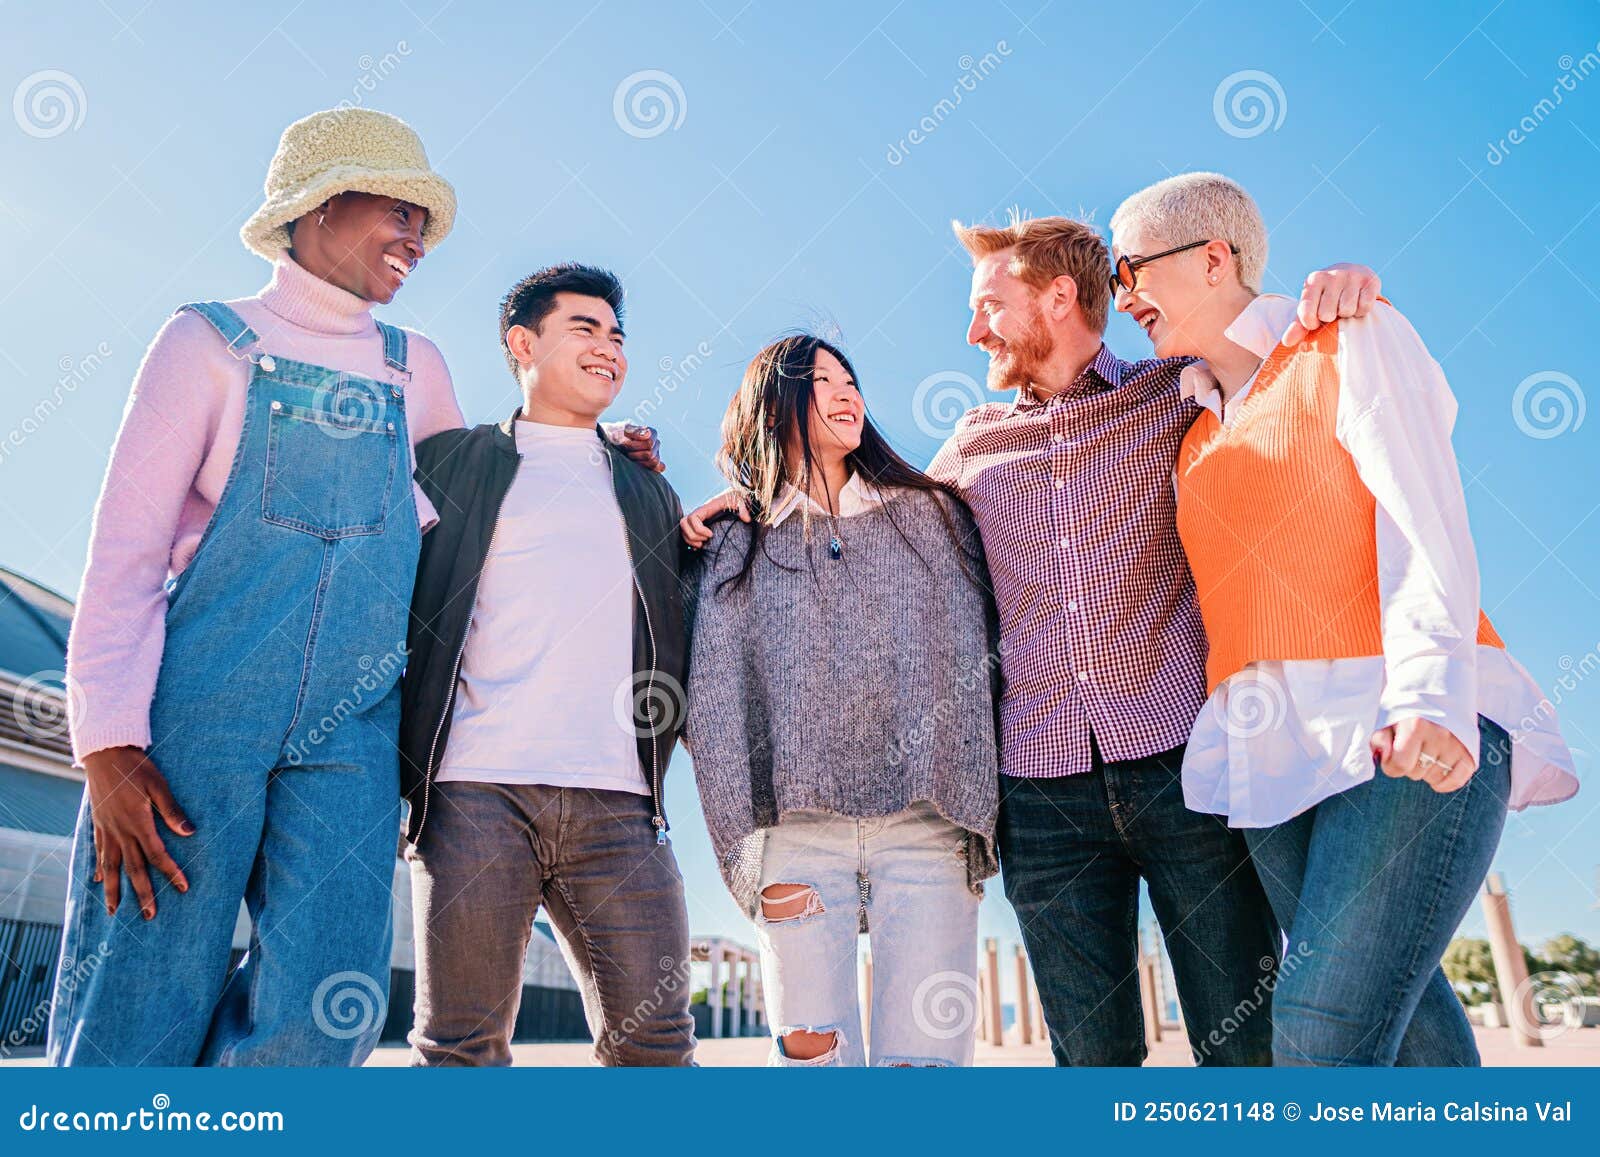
x=841 y=718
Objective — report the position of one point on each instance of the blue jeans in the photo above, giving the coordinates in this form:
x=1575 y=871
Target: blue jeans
x=1073 y=849
x=274 y=720
x=1371 y=885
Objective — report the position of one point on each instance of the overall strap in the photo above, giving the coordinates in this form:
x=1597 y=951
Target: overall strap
x=239 y=336
x=394 y=347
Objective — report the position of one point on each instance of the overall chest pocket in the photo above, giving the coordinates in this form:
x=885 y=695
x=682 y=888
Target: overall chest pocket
x=328 y=473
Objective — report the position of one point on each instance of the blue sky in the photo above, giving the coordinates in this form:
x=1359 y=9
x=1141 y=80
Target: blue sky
x=784 y=188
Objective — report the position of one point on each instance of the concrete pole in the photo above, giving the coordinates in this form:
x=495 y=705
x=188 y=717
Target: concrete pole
x=991 y=966
x=750 y=981
x=1024 y=1004
x=1149 y=996
x=1038 y=1009
x=983 y=1005
x=1510 y=968
x=714 y=990
x=741 y=977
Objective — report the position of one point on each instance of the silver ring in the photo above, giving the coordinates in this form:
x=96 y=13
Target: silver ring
x=1434 y=761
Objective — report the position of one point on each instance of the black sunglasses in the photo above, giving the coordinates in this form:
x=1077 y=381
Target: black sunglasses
x=1126 y=275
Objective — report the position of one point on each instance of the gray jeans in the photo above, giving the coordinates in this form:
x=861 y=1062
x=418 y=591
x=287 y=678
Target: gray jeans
x=489 y=857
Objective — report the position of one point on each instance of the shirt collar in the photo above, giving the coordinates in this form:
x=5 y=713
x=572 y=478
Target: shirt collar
x=1105 y=372
x=856 y=496
x=1258 y=329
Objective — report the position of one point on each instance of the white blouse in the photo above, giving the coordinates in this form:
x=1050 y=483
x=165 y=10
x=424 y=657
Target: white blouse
x=1280 y=736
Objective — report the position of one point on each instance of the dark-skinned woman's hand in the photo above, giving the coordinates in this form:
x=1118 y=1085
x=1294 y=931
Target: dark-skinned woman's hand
x=126 y=791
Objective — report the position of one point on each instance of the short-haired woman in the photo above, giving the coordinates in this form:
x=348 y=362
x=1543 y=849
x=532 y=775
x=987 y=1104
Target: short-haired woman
x=1324 y=520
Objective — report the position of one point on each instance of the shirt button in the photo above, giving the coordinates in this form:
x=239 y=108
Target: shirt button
x=1063 y=544
x=267 y=363
x=1055 y=438
x=1060 y=482
x=277 y=405
x=1083 y=676
x=1072 y=604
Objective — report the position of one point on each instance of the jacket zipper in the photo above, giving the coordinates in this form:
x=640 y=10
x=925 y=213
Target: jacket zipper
x=657 y=821
x=455 y=671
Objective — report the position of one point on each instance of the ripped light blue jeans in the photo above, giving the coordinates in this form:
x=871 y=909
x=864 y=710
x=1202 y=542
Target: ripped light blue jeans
x=907 y=873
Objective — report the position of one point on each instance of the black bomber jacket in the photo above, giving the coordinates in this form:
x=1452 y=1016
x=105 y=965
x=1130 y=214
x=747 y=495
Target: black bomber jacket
x=466 y=474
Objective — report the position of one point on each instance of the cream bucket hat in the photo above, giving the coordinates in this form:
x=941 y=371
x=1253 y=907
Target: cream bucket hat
x=347 y=150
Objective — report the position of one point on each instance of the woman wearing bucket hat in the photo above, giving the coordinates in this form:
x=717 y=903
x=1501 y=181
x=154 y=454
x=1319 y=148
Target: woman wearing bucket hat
x=237 y=648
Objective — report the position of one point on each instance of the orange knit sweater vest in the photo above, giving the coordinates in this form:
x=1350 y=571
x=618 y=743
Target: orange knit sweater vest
x=1280 y=531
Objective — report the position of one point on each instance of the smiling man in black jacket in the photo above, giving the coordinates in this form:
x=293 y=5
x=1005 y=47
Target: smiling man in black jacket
x=542 y=699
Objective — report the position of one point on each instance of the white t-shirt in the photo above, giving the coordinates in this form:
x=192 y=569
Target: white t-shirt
x=550 y=647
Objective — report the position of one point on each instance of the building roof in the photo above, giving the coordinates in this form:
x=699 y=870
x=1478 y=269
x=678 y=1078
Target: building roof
x=33 y=629
x=33 y=656
x=34 y=801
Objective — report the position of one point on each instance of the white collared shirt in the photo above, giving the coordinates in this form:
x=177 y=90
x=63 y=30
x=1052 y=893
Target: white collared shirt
x=1280 y=736
x=856 y=496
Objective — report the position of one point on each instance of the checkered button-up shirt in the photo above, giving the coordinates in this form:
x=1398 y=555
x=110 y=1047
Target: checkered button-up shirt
x=1100 y=630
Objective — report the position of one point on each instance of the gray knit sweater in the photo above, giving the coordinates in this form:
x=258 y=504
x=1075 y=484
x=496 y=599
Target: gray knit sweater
x=858 y=686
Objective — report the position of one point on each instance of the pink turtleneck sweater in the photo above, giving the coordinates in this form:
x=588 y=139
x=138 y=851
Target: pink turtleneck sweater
x=170 y=465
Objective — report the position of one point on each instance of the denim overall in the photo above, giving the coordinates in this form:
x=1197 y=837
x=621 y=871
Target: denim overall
x=274 y=720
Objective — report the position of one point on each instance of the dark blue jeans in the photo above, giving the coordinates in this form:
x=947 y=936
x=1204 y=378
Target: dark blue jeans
x=1072 y=851
x=1371 y=884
